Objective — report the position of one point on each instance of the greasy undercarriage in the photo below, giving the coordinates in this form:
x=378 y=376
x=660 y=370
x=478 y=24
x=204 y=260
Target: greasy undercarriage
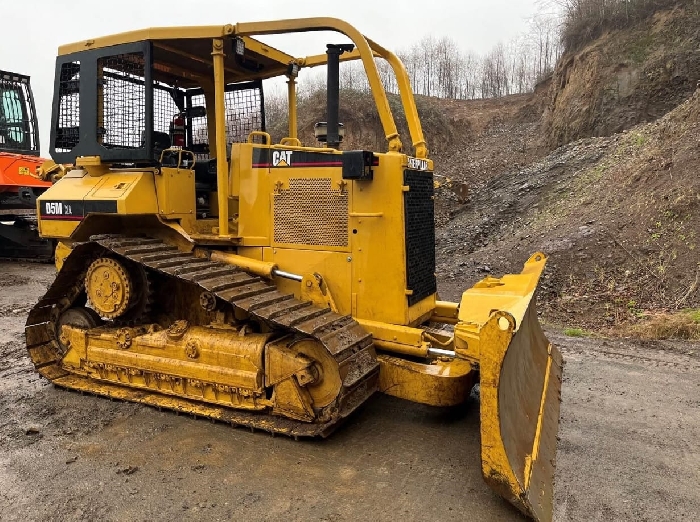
x=201 y=337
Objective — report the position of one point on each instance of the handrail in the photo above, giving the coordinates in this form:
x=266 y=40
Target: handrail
x=407 y=99
x=365 y=53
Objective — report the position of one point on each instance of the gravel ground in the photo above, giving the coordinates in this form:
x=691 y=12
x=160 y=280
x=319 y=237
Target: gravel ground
x=628 y=448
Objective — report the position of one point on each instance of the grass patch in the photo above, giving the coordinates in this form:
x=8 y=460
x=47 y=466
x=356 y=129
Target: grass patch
x=679 y=325
x=575 y=332
x=639 y=139
x=694 y=315
x=640 y=47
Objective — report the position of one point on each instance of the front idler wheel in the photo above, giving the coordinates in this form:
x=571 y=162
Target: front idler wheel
x=78 y=317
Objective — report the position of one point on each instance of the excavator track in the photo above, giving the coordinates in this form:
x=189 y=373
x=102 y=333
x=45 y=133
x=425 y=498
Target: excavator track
x=341 y=336
x=20 y=242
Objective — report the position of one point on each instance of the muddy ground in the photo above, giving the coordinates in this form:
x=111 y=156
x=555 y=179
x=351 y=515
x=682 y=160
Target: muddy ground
x=628 y=450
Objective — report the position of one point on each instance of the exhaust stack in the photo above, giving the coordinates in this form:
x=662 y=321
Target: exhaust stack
x=333 y=92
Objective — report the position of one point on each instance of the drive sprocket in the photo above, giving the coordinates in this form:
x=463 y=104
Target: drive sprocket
x=109 y=287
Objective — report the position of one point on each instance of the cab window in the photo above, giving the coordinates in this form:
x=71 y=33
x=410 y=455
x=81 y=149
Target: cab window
x=11 y=117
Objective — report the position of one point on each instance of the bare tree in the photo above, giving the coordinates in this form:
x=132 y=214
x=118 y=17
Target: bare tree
x=585 y=20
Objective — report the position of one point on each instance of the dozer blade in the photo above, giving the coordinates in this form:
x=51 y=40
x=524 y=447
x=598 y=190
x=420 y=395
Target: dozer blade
x=520 y=383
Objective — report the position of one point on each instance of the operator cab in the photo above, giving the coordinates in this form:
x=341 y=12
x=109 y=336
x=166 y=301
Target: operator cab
x=159 y=101
x=151 y=100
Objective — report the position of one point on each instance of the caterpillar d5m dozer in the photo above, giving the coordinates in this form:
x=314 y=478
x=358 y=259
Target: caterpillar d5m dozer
x=206 y=269
x=19 y=161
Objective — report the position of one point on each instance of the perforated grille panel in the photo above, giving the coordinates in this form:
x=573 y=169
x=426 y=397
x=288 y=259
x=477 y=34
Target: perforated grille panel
x=121 y=98
x=311 y=212
x=67 y=130
x=420 y=235
x=244 y=114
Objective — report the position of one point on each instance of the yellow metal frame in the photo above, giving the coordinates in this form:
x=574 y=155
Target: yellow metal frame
x=366 y=50
x=220 y=118
x=292 y=105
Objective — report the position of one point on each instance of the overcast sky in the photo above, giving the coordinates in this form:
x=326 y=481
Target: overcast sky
x=32 y=30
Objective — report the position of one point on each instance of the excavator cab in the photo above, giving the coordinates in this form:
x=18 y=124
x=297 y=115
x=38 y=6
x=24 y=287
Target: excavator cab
x=19 y=188
x=205 y=268
x=19 y=131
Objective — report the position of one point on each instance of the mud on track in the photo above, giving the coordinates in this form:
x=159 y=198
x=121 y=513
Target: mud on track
x=628 y=450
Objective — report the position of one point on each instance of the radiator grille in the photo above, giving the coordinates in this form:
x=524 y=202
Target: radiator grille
x=420 y=235
x=311 y=212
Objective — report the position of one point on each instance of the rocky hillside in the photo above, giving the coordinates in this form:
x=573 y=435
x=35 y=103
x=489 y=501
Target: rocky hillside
x=619 y=217
x=469 y=141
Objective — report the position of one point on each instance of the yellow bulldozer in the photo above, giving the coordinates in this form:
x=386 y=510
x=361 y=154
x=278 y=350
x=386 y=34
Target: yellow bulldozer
x=277 y=286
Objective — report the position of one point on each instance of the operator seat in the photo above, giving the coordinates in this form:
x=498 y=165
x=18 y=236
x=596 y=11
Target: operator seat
x=161 y=142
x=205 y=174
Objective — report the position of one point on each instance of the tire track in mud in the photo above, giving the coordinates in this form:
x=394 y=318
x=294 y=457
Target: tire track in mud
x=11 y=356
x=660 y=355
x=15 y=310
x=646 y=361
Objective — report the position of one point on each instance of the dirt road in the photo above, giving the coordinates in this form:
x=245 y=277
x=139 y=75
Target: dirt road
x=628 y=451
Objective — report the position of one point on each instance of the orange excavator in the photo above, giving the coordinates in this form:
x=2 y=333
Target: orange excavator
x=21 y=170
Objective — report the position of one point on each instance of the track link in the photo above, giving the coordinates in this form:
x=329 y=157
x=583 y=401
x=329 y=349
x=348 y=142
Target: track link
x=342 y=336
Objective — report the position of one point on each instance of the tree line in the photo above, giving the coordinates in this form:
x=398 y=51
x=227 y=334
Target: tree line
x=586 y=20
x=438 y=67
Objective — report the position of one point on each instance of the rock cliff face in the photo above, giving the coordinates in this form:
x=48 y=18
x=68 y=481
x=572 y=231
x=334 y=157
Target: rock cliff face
x=624 y=78
x=618 y=215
